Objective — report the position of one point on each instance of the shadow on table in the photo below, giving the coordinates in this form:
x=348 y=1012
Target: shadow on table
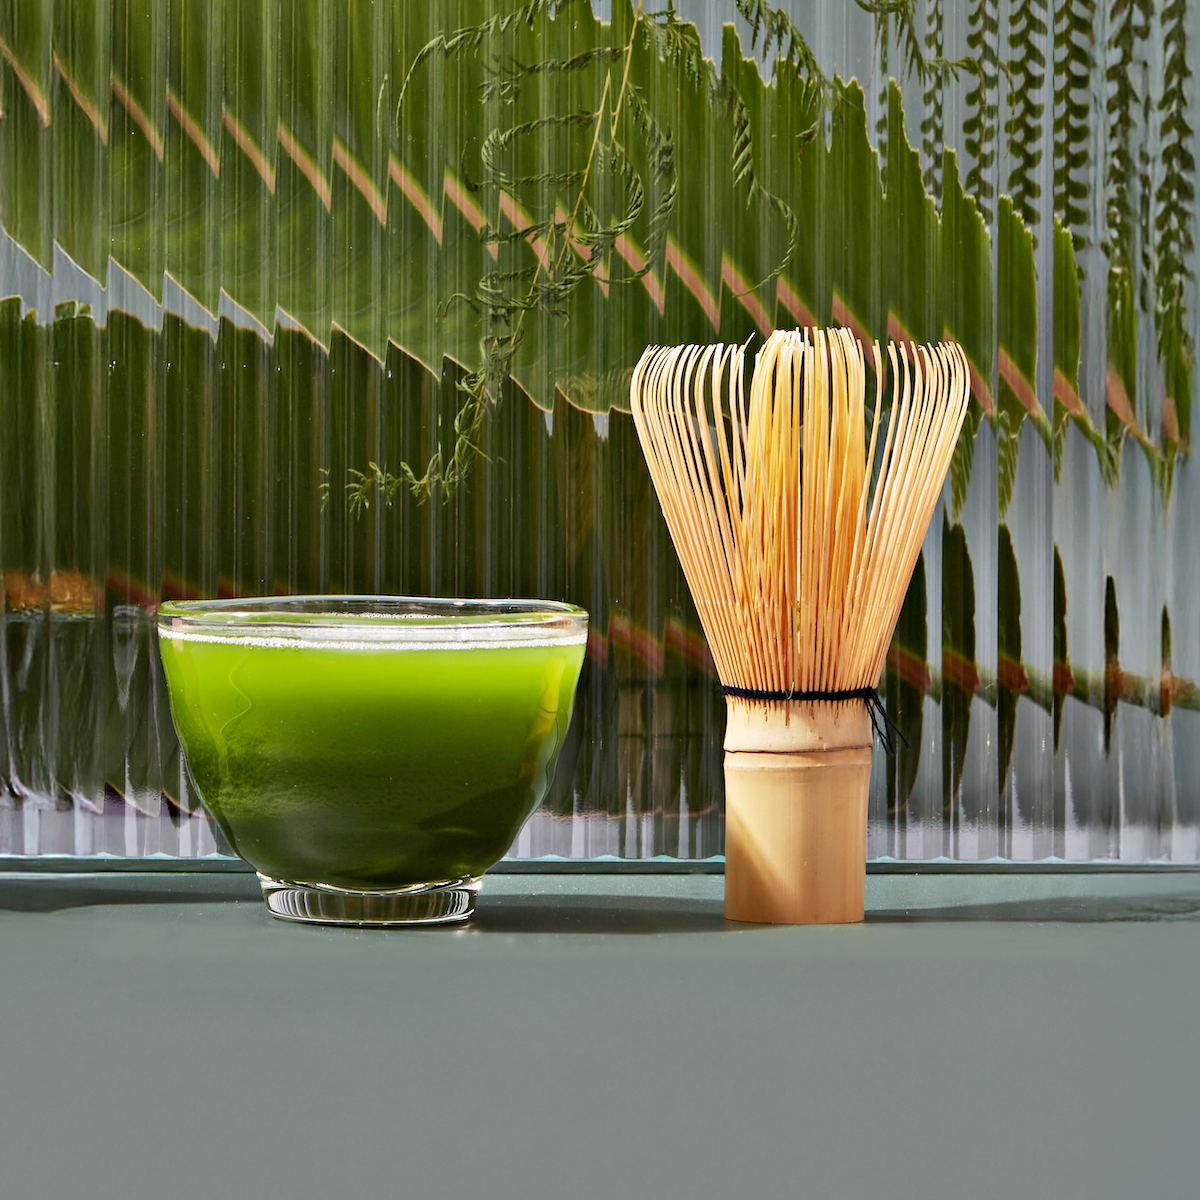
x=517 y=914
x=1088 y=910
x=26 y=894
x=591 y=914
x=598 y=914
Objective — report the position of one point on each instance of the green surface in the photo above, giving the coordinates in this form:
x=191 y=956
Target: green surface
x=370 y=767
x=602 y=1037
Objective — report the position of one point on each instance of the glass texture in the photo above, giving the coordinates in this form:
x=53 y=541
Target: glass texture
x=310 y=298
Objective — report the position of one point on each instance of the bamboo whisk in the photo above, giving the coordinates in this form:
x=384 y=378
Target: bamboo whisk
x=798 y=547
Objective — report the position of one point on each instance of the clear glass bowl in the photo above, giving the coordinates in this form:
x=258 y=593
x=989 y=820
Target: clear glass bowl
x=371 y=756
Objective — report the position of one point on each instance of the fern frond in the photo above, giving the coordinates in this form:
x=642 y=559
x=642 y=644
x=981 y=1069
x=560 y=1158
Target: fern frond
x=472 y=37
x=1173 y=220
x=932 y=131
x=1126 y=185
x=1074 y=61
x=506 y=84
x=774 y=27
x=979 y=129
x=1024 y=128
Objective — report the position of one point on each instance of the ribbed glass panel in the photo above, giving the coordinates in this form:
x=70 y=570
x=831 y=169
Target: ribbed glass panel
x=306 y=296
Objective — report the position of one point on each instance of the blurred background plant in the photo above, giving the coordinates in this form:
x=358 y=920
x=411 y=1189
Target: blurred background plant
x=316 y=297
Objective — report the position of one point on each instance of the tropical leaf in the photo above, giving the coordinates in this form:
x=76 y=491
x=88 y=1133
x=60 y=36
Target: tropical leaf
x=303 y=157
x=1010 y=673
x=967 y=311
x=861 y=281
x=25 y=99
x=25 y=533
x=243 y=396
x=1067 y=341
x=76 y=446
x=82 y=57
x=906 y=681
x=1064 y=681
x=960 y=675
x=192 y=149
x=192 y=475
x=912 y=235
x=248 y=161
x=136 y=142
x=361 y=75
x=1017 y=341
x=299 y=429
x=135 y=435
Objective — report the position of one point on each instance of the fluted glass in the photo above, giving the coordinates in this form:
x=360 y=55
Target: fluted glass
x=302 y=296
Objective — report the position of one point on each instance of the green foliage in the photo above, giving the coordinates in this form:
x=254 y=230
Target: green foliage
x=967 y=307
x=958 y=593
x=136 y=148
x=773 y=27
x=959 y=675
x=1129 y=21
x=438 y=237
x=1074 y=59
x=475 y=37
x=243 y=178
x=1062 y=659
x=514 y=287
x=82 y=54
x=932 y=131
x=1017 y=343
x=864 y=267
x=912 y=235
x=1122 y=348
x=577 y=249
x=1007 y=448
x=1008 y=640
x=1175 y=212
x=979 y=128
x=25 y=194
x=912 y=59
x=1112 y=658
x=1027 y=26
x=931 y=71
x=1067 y=350
x=905 y=692
x=422 y=303
x=1067 y=331
x=1130 y=24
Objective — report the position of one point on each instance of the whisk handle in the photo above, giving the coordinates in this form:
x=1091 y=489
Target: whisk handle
x=796 y=835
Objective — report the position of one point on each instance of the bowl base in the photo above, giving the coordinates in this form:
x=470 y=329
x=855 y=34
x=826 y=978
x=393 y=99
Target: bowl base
x=440 y=903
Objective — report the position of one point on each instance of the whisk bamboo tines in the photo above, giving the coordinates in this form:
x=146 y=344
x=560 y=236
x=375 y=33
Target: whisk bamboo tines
x=798 y=532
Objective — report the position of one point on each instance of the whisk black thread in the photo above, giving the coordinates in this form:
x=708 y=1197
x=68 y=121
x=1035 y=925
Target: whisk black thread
x=883 y=725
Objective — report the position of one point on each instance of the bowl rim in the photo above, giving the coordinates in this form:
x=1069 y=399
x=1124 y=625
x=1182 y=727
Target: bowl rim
x=372 y=621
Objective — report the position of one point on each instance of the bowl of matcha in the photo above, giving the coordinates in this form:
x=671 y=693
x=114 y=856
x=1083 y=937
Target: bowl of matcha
x=371 y=756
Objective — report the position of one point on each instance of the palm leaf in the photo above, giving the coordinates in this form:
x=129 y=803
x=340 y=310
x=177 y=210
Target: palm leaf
x=82 y=57
x=136 y=142
x=25 y=99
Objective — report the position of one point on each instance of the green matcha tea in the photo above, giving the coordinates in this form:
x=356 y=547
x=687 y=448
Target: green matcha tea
x=369 y=764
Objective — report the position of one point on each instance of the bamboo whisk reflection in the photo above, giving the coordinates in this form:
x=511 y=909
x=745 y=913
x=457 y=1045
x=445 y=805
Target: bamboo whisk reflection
x=797 y=546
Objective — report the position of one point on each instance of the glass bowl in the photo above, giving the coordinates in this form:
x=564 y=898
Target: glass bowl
x=371 y=756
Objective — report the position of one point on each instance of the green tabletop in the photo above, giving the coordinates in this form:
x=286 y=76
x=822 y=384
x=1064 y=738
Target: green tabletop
x=602 y=1036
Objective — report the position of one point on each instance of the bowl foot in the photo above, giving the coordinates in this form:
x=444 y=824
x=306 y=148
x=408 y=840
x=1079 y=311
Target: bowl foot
x=440 y=903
